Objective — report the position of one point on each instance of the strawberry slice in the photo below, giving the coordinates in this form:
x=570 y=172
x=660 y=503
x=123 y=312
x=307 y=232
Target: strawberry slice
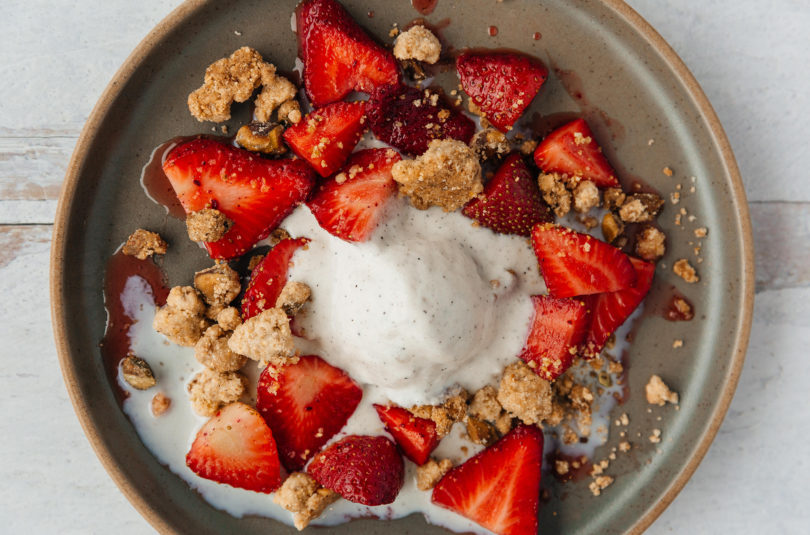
x=500 y=487
x=501 y=84
x=572 y=149
x=362 y=469
x=305 y=404
x=339 y=57
x=610 y=310
x=350 y=209
x=416 y=436
x=557 y=330
x=575 y=264
x=327 y=136
x=269 y=277
x=408 y=118
x=236 y=447
x=255 y=193
x=511 y=202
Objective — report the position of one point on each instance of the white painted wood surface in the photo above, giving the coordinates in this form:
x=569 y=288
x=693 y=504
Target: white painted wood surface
x=751 y=58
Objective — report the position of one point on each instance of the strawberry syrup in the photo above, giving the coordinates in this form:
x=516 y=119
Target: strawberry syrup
x=425 y=7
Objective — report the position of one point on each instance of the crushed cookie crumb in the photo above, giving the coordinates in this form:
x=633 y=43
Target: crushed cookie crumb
x=160 y=404
x=212 y=351
x=207 y=225
x=266 y=338
x=142 y=244
x=219 y=284
x=684 y=270
x=524 y=394
x=293 y=297
x=640 y=208
x=304 y=497
x=701 y=232
x=677 y=344
x=208 y=391
x=586 y=196
x=181 y=318
x=650 y=243
x=431 y=472
x=655 y=438
x=667 y=171
x=658 y=393
x=485 y=405
x=599 y=484
x=418 y=43
x=439 y=414
x=489 y=143
x=556 y=195
x=614 y=198
x=290 y=112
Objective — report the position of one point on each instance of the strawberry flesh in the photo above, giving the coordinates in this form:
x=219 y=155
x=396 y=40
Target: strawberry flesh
x=572 y=150
x=269 y=277
x=416 y=436
x=557 y=330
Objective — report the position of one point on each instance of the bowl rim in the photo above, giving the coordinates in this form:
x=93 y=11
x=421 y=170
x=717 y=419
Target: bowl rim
x=186 y=10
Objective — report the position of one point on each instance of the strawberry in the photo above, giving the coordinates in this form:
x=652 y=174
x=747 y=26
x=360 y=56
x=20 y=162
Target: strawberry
x=236 y=447
x=408 y=118
x=255 y=193
x=557 y=330
x=610 y=310
x=350 y=209
x=327 y=136
x=305 y=404
x=501 y=84
x=575 y=264
x=500 y=487
x=362 y=469
x=572 y=150
x=339 y=57
x=511 y=201
x=416 y=436
x=269 y=277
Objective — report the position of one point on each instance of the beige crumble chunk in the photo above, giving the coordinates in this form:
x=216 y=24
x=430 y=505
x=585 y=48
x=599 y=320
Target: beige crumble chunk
x=210 y=390
x=701 y=232
x=677 y=343
x=207 y=225
x=261 y=137
x=682 y=309
x=556 y=195
x=624 y=446
x=503 y=423
x=456 y=405
x=439 y=414
x=586 y=196
x=485 y=404
x=684 y=270
x=229 y=318
x=181 y=318
x=142 y=244
x=265 y=338
x=431 y=472
x=489 y=143
x=212 y=351
x=219 y=284
x=524 y=394
x=655 y=437
x=640 y=208
x=447 y=175
x=561 y=466
x=301 y=495
x=137 y=373
x=276 y=90
x=613 y=198
x=528 y=146
x=599 y=484
x=650 y=243
x=292 y=297
x=418 y=43
x=658 y=393
x=160 y=404
x=290 y=112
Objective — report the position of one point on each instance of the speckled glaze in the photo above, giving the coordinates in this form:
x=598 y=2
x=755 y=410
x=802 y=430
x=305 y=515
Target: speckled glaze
x=635 y=89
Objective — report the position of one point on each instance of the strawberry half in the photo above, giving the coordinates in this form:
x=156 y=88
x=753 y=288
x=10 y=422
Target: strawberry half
x=408 y=118
x=351 y=209
x=501 y=84
x=574 y=264
x=236 y=447
x=511 y=202
x=557 y=330
x=362 y=469
x=610 y=310
x=305 y=404
x=339 y=57
x=572 y=149
x=255 y=193
x=327 y=136
x=269 y=277
x=500 y=487
x=416 y=436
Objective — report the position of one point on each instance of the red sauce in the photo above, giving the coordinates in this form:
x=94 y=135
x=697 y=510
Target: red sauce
x=425 y=7
x=597 y=118
x=370 y=14
x=579 y=466
x=492 y=31
x=155 y=182
x=543 y=125
x=537 y=36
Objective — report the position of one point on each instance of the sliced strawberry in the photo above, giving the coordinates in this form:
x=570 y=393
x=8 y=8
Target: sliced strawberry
x=500 y=487
x=255 y=193
x=339 y=57
x=610 y=310
x=572 y=149
x=557 y=330
x=327 y=136
x=511 y=202
x=416 y=436
x=409 y=118
x=575 y=264
x=350 y=209
x=269 y=277
x=362 y=469
x=305 y=404
x=236 y=447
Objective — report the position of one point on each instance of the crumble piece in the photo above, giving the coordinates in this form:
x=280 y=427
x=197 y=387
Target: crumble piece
x=503 y=423
x=677 y=343
x=681 y=310
x=489 y=143
x=137 y=373
x=275 y=237
x=181 y=318
x=255 y=260
x=667 y=171
x=219 y=285
x=301 y=495
x=640 y=208
x=456 y=405
x=418 y=43
x=447 y=175
x=650 y=243
x=292 y=297
x=142 y=244
x=701 y=232
x=262 y=137
x=481 y=432
x=556 y=195
x=229 y=318
x=684 y=270
x=210 y=390
x=484 y=405
x=276 y=90
x=290 y=112
x=561 y=466
x=658 y=393
x=431 y=472
x=212 y=351
x=440 y=416
x=586 y=196
x=590 y=222
x=599 y=484
x=208 y=225
x=266 y=338
x=524 y=394
x=624 y=446
x=612 y=227
x=655 y=438
x=160 y=404
x=614 y=198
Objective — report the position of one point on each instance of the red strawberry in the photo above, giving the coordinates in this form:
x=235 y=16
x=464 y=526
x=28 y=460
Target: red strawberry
x=362 y=469
x=305 y=404
x=416 y=436
x=327 y=136
x=409 y=118
x=501 y=84
x=255 y=193
x=558 y=328
x=269 y=277
x=339 y=57
x=236 y=447
x=511 y=201
x=610 y=310
x=500 y=487
x=572 y=150
x=575 y=264
x=351 y=209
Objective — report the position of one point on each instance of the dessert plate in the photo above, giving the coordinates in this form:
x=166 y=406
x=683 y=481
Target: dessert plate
x=607 y=64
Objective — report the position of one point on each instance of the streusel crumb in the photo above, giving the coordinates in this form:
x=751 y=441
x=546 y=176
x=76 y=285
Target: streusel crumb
x=304 y=497
x=418 y=43
x=439 y=414
x=207 y=225
x=556 y=195
x=137 y=372
x=684 y=270
x=456 y=405
x=658 y=393
x=142 y=244
x=640 y=208
x=210 y=390
x=524 y=394
x=290 y=112
x=181 y=318
x=613 y=198
x=503 y=423
x=599 y=484
x=213 y=352
x=489 y=143
x=266 y=338
x=431 y=472
x=276 y=90
x=586 y=196
x=219 y=284
x=485 y=404
x=650 y=243
x=292 y=297
x=160 y=404
x=229 y=318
